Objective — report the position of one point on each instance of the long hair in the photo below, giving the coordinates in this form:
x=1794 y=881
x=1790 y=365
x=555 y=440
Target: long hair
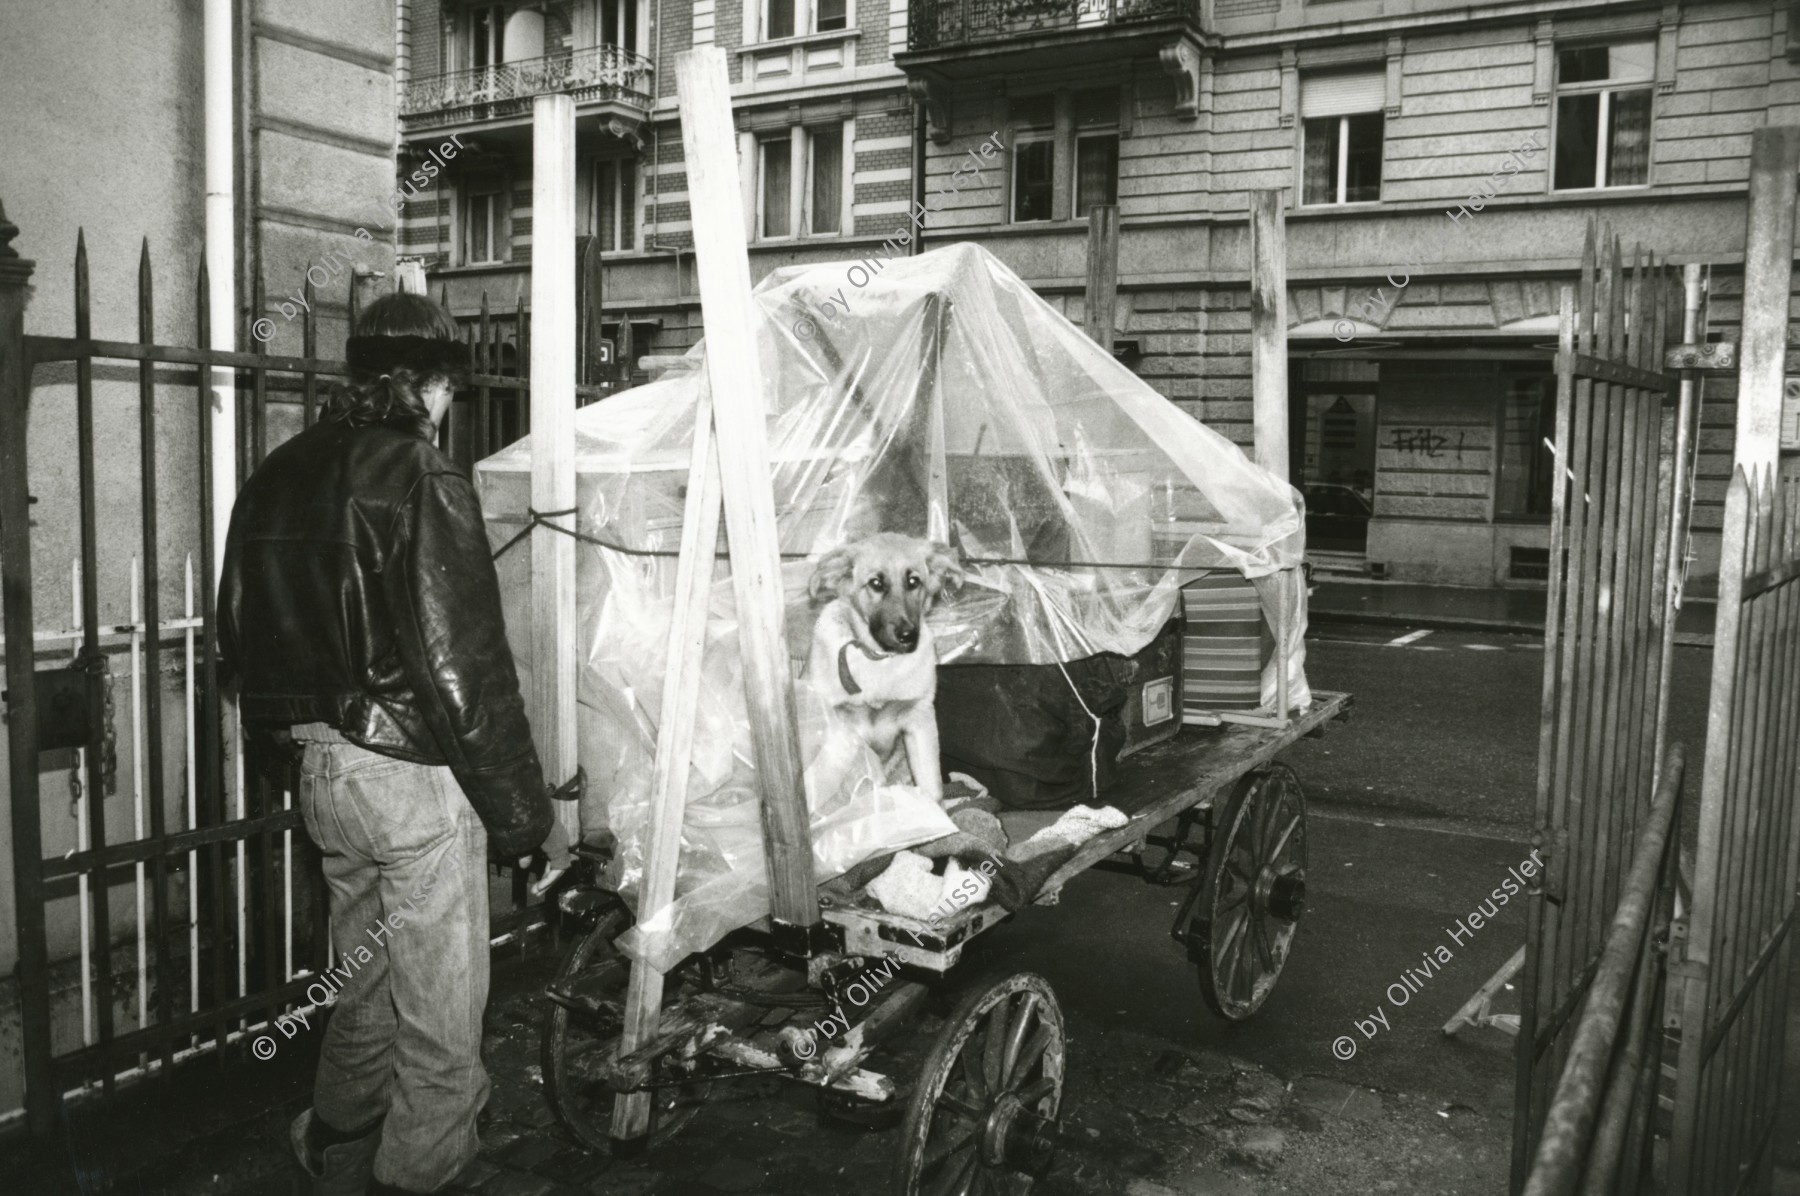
x=401 y=343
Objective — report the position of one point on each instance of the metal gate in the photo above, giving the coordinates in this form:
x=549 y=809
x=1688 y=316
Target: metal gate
x=1604 y=645
x=1736 y=962
x=227 y=922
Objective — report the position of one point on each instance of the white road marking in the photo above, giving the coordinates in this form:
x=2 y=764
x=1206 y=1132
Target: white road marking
x=1483 y=647
x=1409 y=637
x=1390 y=822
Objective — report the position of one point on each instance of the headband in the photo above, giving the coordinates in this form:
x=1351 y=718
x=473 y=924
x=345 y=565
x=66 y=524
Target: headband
x=379 y=354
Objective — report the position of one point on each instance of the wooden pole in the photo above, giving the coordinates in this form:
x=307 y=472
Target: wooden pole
x=1768 y=269
x=553 y=638
x=1268 y=330
x=1102 y=272
x=674 y=753
x=721 y=258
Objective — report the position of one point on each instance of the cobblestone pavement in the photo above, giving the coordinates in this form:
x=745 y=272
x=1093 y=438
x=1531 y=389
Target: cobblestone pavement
x=1142 y=1116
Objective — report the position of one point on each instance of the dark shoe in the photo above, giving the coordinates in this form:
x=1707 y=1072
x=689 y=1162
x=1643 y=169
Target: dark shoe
x=337 y=1165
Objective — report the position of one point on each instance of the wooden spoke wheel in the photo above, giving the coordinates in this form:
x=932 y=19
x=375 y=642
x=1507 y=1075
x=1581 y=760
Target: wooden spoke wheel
x=1239 y=920
x=982 y=1118
x=580 y=1033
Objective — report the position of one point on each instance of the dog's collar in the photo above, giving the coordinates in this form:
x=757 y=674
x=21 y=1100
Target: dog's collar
x=845 y=678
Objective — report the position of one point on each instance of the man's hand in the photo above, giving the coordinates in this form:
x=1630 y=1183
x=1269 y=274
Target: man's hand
x=556 y=849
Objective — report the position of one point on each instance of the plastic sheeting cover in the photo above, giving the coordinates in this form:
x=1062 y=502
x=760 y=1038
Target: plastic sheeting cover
x=935 y=395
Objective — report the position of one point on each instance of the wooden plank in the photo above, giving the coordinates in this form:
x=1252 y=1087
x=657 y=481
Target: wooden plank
x=732 y=360
x=1216 y=764
x=1102 y=273
x=1268 y=331
x=553 y=638
x=1612 y=371
x=1768 y=273
x=674 y=748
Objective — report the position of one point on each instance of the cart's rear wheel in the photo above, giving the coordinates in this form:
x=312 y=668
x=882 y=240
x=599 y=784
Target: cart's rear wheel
x=982 y=1118
x=1240 y=918
x=580 y=1033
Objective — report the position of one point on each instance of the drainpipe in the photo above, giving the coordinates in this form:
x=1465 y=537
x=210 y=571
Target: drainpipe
x=918 y=173
x=221 y=237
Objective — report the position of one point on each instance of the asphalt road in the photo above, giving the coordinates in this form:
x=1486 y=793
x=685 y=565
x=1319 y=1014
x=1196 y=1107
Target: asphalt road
x=1416 y=807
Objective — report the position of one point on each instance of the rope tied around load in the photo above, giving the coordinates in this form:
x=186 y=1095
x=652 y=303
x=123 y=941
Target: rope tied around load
x=536 y=518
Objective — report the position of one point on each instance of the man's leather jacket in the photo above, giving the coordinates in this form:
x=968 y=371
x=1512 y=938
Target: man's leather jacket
x=358 y=591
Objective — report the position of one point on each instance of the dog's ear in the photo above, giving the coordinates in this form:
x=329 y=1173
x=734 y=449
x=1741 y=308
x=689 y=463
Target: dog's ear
x=833 y=573
x=945 y=568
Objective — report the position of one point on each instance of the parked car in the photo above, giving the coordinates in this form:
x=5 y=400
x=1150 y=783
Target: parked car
x=1337 y=518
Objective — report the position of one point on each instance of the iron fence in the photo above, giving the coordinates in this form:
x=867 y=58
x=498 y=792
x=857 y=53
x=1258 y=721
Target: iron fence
x=589 y=74
x=938 y=24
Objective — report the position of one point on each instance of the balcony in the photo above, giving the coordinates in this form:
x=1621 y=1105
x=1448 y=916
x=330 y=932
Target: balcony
x=937 y=25
x=605 y=75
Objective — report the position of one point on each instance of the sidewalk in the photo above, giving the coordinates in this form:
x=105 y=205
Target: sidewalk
x=1466 y=608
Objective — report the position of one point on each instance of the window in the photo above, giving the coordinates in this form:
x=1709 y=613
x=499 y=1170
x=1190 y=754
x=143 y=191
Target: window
x=825 y=164
x=613 y=217
x=1527 y=466
x=483 y=223
x=778 y=19
x=777 y=182
x=1096 y=155
x=487 y=35
x=817 y=194
x=831 y=14
x=1033 y=178
x=619 y=23
x=1096 y=171
x=1341 y=137
x=1603 y=115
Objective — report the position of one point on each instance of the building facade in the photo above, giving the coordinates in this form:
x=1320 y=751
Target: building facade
x=1441 y=163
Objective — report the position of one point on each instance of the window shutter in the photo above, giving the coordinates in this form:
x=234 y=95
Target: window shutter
x=1342 y=95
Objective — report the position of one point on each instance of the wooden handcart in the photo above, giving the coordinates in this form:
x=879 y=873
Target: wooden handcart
x=978 y=1095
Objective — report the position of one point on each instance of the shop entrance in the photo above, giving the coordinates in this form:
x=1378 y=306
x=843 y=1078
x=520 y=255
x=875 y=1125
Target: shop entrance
x=1335 y=447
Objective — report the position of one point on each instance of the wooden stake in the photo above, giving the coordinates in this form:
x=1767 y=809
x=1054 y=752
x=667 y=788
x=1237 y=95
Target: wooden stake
x=1102 y=272
x=1268 y=330
x=723 y=264
x=1768 y=270
x=553 y=639
x=674 y=752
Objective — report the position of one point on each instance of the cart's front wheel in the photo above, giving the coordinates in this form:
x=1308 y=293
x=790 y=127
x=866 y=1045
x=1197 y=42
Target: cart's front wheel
x=1239 y=920
x=982 y=1119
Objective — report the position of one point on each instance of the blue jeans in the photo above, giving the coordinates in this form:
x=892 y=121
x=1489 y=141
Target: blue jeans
x=406 y=863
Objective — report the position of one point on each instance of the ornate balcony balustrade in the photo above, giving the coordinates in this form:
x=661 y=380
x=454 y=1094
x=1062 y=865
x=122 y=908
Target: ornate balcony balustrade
x=945 y=24
x=590 y=74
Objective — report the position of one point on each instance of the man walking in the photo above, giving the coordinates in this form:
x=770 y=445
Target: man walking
x=360 y=616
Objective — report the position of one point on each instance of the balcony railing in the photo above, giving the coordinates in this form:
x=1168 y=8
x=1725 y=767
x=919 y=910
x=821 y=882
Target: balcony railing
x=941 y=24
x=594 y=73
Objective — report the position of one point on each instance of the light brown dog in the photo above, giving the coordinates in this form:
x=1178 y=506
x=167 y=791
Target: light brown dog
x=872 y=659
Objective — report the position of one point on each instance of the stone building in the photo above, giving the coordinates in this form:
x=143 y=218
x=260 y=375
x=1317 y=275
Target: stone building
x=1441 y=163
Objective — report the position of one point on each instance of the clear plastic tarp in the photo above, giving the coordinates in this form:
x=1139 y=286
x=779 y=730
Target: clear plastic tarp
x=937 y=396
